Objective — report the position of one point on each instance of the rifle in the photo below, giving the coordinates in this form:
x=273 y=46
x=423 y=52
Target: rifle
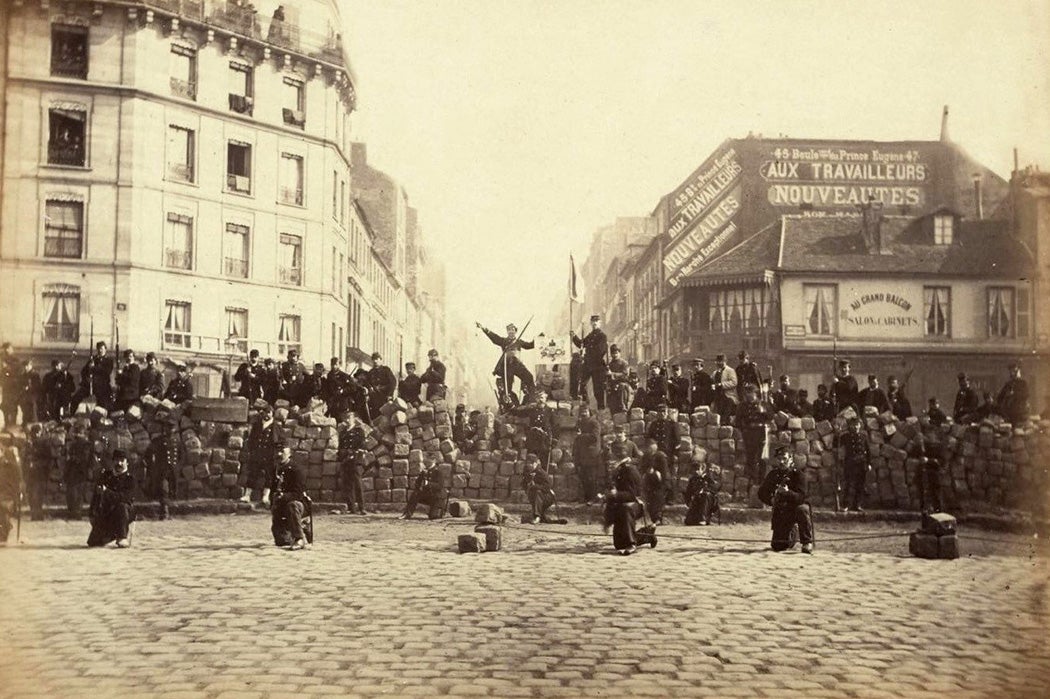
x=835 y=409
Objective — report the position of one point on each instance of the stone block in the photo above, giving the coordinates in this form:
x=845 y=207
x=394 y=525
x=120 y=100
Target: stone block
x=948 y=547
x=471 y=543
x=922 y=545
x=459 y=508
x=493 y=536
x=490 y=514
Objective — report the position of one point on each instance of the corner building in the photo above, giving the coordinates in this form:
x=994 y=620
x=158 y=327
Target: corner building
x=176 y=172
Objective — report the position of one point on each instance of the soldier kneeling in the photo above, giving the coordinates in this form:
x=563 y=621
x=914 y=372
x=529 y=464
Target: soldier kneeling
x=784 y=488
x=623 y=509
x=701 y=494
x=291 y=510
x=112 y=505
x=428 y=490
x=538 y=489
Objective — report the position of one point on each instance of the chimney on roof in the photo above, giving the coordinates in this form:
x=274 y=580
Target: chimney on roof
x=944 y=125
x=978 y=201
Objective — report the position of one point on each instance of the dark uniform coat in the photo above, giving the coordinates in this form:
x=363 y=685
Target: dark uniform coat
x=434 y=378
x=151 y=382
x=409 y=388
x=967 y=403
x=179 y=390
x=250 y=377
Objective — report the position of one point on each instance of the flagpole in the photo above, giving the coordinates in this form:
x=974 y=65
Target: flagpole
x=572 y=273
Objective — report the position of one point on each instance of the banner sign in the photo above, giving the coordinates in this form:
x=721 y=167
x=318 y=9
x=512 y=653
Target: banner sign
x=707 y=236
x=871 y=311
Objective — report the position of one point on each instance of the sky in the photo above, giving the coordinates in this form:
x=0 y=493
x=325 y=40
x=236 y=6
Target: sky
x=519 y=127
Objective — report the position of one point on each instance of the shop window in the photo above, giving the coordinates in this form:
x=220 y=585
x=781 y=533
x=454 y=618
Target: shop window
x=820 y=300
x=61 y=308
x=937 y=310
x=64 y=229
x=67 y=135
x=69 y=51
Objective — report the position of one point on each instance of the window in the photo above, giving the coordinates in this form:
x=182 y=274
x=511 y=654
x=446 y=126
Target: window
x=61 y=306
x=69 y=51
x=355 y=322
x=291 y=188
x=342 y=202
x=241 y=88
x=1023 y=313
x=1001 y=311
x=820 y=308
x=178 y=242
x=67 y=134
x=288 y=334
x=736 y=310
x=335 y=194
x=239 y=167
x=293 y=103
x=342 y=273
x=184 y=72
x=176 y=324
x=235 y=251
x=64 y=229
x=942 y=229
x=237 y=330
x=181 y=153
x=937 y=310
x=291 y=260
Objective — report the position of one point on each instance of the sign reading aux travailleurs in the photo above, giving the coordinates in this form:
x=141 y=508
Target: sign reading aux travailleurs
x=701 y=215
x=833 y=177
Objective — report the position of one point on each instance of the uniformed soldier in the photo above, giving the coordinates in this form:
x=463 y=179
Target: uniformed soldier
x=1012 y=401
x=844 y=390
x=95 y=377
x=509 y=365
x=664 y=431
x=112 y=506
x=702 y=391
x=900 y=406
x=270 y=381
x=180 y=389
x=81 y=465
x=657 y=387
x=539 y=425
x=58 y=387
x=575 y=372
x=409 y=388
x=856 y=462
x=746 y=373
x=381 y=385
x=967 y=404
x=463 y=430
x=429 y=490
x=264 y=445
x=250 y=375
x=339 y=389
x=823 y=409
x=37 y=470
x=539 y=491
x=785 y=398
x=617 y=390
x=624 y=507
x=934 y=414
x=595 y=347
x=678 y=390
x=701 y=494
x=752 y=419
x=784 y=488
x=434 y=377
x=129 y=380
x=873 y=396
x=587 y=455
x=291 y=520
x=151 y=379
x=656 y=477
x=30 y=395
x=618 y=449
x=11 y=487
x=805 y=408
x=162 y=463
x=10 y=385
x=291 y=372
x=313 y=386
x=352 y=463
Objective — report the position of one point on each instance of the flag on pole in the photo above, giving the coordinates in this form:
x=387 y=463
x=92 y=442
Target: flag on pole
x=573 y=295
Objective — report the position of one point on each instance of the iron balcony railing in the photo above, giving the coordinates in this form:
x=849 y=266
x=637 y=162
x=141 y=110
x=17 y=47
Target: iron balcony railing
x=63 y=247
x=54 y=332
x=184 y=88
x=291 y=195
x=291 y=275
x=234 y=267
x=66 y=154
x=179 y=259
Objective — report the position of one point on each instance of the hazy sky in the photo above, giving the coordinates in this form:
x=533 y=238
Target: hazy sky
x=519 y=127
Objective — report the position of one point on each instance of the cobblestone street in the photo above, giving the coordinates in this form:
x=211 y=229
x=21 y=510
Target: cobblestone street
x=205 y=607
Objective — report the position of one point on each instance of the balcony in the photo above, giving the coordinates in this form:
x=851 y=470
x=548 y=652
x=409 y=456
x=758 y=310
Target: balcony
x=242 y=104
x=178 y=259
x=180 y=172
x=294 y=117
x=239 y=183
x=234 y=267
x=69 y=66
x=71 y=154
x=61 y=333
x=291 y=195
x=70 y=248
x=290 y=275
x=183 y=88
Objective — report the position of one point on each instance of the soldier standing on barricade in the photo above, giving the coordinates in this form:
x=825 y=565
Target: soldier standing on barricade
x=900 y=406
x=381 y=385
x=967 y=404
x=664 y=431
x=701 y=391
x=657 y=388
x=180 y=389
x=270 y=381
x=249 y=374
x=844 y=390
x=96 y=375
x=823 y=409
x=752 y=419
x=58 y=387
x=313 y=386
x=617 y=389
x=291 y=373
x=10 y=385
x=434 y=377
x=785 y=398
x=409 y=388
x=509 y=365
x=678 y=390
x=339 y=390
x=129 y=382
x=725 y=385
x=1012 y=401
x=151 y=379
x=746 y=373
x=595 y=347
x=873 y=396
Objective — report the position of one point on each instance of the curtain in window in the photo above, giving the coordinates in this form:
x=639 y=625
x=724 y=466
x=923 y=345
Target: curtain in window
x=818 y=310
x=235 y=322
x=1000 y=311
x=291 y=252
x=178 y=319
x=289 y=329
x=937 y=311
x=65 y=218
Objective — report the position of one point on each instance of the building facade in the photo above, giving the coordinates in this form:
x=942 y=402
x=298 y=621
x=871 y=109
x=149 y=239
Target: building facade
x=176 y=176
